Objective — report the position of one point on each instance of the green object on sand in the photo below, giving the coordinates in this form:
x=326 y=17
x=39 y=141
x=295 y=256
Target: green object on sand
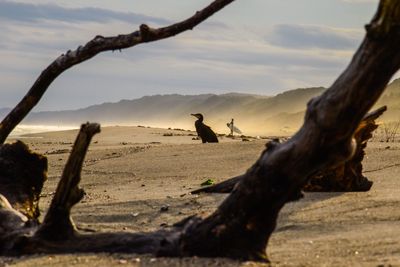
x=208 y=182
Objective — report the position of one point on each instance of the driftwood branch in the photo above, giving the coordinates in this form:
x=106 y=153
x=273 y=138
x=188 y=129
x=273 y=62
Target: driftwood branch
x=345 y=177
x=57 y=233
x=222 y=187
x=99 y=44
x=242 y=225
x=22 y=175
x=57 y=224
x=348 y=177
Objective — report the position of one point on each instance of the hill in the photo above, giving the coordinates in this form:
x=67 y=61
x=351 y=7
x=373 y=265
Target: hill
x=254 y=114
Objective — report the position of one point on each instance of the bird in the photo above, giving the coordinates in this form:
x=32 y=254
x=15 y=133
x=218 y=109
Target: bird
x=206 y=134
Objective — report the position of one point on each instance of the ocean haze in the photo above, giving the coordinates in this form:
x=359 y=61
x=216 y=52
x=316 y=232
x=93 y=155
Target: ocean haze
x=281 y=114
x=254 y=114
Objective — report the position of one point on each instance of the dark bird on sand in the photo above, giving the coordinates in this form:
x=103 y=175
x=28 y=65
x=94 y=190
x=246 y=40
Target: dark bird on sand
x=206 y=134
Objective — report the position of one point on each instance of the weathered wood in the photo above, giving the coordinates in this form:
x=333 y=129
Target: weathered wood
x=241 y=226
x=22 y=175
x=11 y=219
x=243 y=223
x=99 y=44
x=222 y=187
x=346 y=177
x=13 y=225
x=57 y=233
x=57 y=224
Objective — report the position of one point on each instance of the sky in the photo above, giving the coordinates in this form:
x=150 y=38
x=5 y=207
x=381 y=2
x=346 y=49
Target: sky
x=252 y=46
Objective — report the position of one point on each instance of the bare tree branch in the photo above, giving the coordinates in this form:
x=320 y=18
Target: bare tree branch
x=348 y=176
x=99 y=44
x=243 y=223
x=57 y=224
x=344 y=177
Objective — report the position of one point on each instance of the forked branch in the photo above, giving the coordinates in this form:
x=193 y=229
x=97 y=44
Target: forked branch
x=243 y=223
x=344 y=177
x=57 y=224
x=99 y=44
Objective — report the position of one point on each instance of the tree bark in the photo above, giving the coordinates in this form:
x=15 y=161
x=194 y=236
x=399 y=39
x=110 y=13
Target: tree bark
x=243 y=223
x=99 y=44
x=57 y=224
x=345 y=177
x=241 y=226
x=22 y=175
x=222 y=187
x=348 y=177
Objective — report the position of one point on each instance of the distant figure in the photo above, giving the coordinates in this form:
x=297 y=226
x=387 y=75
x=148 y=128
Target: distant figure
x=233 y=128
x=206 y=134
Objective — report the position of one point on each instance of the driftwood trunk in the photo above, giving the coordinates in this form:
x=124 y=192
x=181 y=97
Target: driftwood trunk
x=346 y=177
x=242 y=225
x=22 y=175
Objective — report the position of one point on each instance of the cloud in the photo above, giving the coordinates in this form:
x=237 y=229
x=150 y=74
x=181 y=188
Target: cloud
x=47 y=28
x=33 y=13
x=310 y=37
x=196 y=62
x=241 y=53
x=213 y=58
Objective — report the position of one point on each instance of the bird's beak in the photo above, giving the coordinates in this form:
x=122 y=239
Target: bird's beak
x=194 y=115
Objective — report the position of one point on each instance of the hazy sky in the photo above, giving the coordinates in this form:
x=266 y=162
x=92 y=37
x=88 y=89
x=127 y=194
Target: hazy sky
x=252 y=46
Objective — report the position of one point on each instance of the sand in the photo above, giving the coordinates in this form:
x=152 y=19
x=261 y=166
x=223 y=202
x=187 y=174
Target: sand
x=131 y=172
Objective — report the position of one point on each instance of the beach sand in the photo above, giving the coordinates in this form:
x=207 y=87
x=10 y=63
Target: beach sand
x=131 y=172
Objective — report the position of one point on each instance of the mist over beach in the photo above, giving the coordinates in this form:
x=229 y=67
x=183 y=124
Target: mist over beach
x=256 y=115
x=22 y=129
